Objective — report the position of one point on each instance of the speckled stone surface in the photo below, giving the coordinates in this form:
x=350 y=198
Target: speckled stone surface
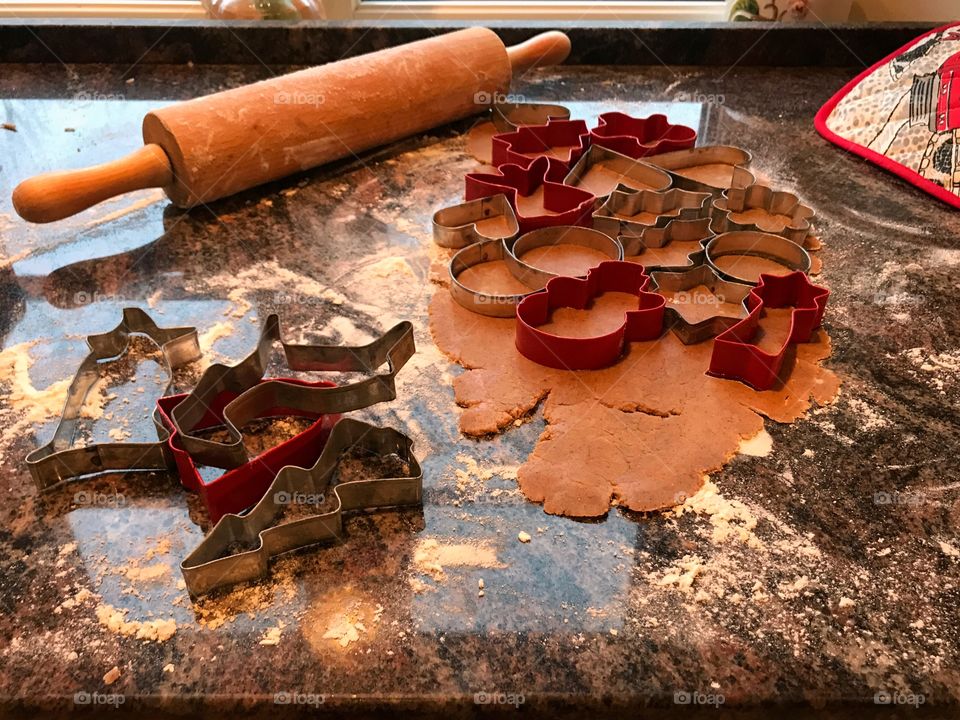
x=828 y=572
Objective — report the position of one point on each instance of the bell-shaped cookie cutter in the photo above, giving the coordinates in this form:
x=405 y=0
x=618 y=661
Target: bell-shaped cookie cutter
x=588 y=353
x=58 y=461
x=214 y=564
x=393 y=348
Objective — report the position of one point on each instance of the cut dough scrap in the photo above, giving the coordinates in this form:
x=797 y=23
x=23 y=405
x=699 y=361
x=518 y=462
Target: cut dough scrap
x=640 y=434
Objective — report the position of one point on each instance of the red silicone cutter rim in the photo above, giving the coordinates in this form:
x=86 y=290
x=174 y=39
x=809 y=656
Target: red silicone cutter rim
x=640 y=137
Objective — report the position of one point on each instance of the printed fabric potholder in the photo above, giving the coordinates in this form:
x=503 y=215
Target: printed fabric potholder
x=904 y=114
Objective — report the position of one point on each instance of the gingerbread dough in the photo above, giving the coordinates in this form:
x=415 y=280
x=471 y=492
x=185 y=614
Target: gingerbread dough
x=640 y=434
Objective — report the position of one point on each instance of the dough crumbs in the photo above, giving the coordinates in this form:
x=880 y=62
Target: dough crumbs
x=168 y=668
x=523 y=536
x=272 y=635
x=948 y=549
x=846 y=602
x=344 y=631
x=150 y=573
x=150 y=630
x=730 y=519
x=111 y=676
x=682 y=574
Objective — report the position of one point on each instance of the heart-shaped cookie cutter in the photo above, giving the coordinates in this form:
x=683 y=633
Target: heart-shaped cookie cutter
x=588 y=353
x=461 y=225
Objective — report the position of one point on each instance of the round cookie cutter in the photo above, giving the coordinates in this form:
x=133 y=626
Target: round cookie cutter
x=537 y=278
x=489 y=304
x=775 y=248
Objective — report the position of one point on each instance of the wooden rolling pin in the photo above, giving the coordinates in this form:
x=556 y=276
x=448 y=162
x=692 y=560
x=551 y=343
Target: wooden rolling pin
x=217 y=145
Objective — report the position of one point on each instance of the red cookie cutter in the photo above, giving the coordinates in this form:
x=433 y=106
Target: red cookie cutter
x=588 y=353
x=640 y=137
x=242 y=487
x=526 y=143
x=735 y=353
x=566 y=205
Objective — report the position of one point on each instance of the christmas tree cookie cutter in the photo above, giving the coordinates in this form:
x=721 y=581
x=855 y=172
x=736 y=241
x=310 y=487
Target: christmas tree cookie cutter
x=630 y=213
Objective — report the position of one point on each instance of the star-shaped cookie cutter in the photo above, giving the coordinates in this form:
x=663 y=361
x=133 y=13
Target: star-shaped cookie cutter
x=735 y=352
x=619 y=172
x=772 y=202
x=215 y=563
x=630 y=213
x=684 y=282
x=588 y=353
x=58 y=461
x=461 y=225
x=564 y=205
x=393 y=348
x=639 y=137
x=694 y=232
x=561 y=140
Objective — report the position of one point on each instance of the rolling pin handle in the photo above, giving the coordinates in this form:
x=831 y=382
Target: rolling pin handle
x=57 y=195
x=549 y=48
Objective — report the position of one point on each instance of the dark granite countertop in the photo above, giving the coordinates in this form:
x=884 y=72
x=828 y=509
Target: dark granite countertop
x=836 y=595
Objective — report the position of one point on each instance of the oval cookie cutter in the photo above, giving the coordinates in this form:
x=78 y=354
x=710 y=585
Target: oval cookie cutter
x=774 y=248
x=737 y=159
x=536 y=278
x=484 y=303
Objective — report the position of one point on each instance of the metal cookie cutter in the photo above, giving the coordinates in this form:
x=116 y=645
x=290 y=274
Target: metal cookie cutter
x=393 y=348
x=563 y=140
x=489 y=304
x=794 y=226
x=488 y=218
x=767 y=248
x=692 y=233
x=630 y=213
x=639 y=137
x=535 y=277
x=564 y=205
x=602 y=171
x=240 y=488
x=588 y=353
x=57 y=461
x=507 y=117
x=735 y=352
x=215 y=563
x=711 y=168
x=682 y=287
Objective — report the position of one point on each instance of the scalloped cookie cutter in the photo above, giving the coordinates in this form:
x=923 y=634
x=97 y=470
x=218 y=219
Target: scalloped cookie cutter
x=393 y=348
x=735 y=352
x=58 y=461
x=588 y=353
x=216 y=563
x=761 y=198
